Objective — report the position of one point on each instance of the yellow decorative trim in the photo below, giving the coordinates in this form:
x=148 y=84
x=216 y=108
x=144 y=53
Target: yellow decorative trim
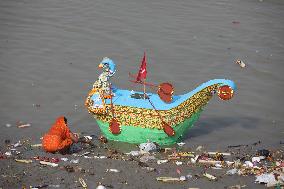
x=149 y=118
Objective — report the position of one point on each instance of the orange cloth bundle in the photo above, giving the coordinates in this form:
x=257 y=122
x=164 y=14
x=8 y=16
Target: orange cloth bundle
x=58 y=138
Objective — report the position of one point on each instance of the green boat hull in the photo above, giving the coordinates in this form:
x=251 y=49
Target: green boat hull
x=136 y=135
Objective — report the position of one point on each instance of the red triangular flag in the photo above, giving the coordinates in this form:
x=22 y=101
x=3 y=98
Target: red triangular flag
x=142 y=71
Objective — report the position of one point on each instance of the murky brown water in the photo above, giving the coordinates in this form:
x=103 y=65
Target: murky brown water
x=49 y=52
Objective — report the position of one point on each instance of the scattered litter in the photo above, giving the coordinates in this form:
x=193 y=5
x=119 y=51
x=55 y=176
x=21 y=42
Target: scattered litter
x=82 y=182
x=36 y=145
x=179 y=155
x=182 y=178
x=75 y=161
x=235 y=22
x=64 y=159
x=199 y=148
x=134 y=153
x=265 y=178
x=170 y=179
x=101 y=187
x=241 y=63
x=54 y=185
x=24 y=125
x=235 y=187
x=39 y=186
x=212 y=162
x=217 y=166
x=113 y=170
x=248 y=164
x=8 y=125
x=256 y=159
x=180 y=144
x=100 y=157
x=263 y=152
x=232 y=171
x=210 y=177
x=189 y=176
x=193 y=160
x=162 y=161
x=18 y=144
x=23 y=160
x=48 y=163
x=178 y=163
x=148 y=147
x=219 y=153
x=8 y=153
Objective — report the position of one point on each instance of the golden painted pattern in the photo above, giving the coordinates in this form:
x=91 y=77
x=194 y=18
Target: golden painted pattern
x=149 y=118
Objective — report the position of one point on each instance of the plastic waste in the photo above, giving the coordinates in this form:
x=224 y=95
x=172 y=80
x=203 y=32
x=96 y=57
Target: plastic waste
x=48 y=163
x=101 y=187
x=232 y=171
x=134 y=153
x=178 y=163
x=83 y=183
x=210 y=177
x=265 y=178
x=74 y=161
x=148 y=147
x=162 y=161
x=113 y=170
x=241 y=63
x=180 y=144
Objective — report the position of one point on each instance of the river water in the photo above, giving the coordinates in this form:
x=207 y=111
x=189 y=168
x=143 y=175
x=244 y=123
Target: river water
x=50 y=50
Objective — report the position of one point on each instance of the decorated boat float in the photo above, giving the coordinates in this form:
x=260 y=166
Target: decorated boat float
x=137 y=117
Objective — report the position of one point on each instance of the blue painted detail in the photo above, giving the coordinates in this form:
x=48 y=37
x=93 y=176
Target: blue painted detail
x=122 y=97
x=111 y=64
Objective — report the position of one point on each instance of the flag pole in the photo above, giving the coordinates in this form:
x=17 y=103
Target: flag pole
x=144 y=88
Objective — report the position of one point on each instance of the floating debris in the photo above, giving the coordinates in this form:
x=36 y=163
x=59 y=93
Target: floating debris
x=148 y=147
x=135 y=153
x=64 y=159
x=24 y=125
x=113 y=170
x=23 y=160
x=241 y=63
x=48 y=163
x=101 y=187
x=181 y=144
x=162 y=161
x=199 y=148
x=75 y=161
x=82 y=182
x=178 y=163
x=219 y=153
x=171 y=179
x=210 y=177
x=36 y=145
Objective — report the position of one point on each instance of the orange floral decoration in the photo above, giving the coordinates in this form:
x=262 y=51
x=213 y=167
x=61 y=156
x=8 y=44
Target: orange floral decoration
x=225 y=92
x=58 y=137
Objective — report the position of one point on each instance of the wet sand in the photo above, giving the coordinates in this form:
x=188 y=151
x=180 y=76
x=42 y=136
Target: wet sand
x=49 y=52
